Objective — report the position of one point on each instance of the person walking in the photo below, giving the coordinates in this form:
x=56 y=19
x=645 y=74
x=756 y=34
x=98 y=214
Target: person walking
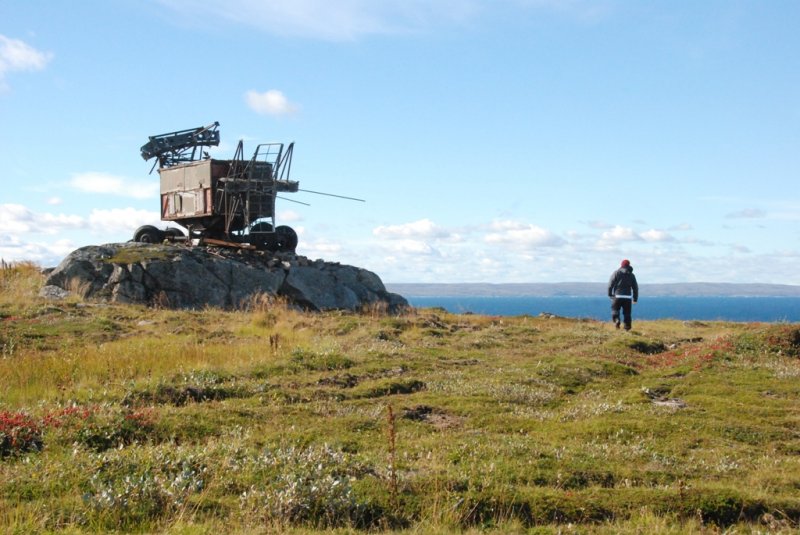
x=623 y=292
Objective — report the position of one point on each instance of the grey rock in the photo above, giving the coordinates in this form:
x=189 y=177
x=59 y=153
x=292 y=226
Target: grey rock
x=179 y=276
x=53 y=293
x=318 y=290
x=337 y=287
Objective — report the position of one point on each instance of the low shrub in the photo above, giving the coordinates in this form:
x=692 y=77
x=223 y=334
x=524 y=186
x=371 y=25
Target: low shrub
x=323 y=361
x=102 y=430
x=775 y=339
x=308 y=486
x=19 y=432
x=390 y=388
x=784 y=340
x=128 y=489
x=196 y=386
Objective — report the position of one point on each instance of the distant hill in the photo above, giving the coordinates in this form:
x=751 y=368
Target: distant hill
x=582 y=289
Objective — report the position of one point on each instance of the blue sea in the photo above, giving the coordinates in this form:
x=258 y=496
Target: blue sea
x=741 y=309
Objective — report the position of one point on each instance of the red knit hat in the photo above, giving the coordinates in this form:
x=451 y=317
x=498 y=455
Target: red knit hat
x=625 y=263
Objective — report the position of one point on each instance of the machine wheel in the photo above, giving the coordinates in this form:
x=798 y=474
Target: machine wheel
x=148 y=234
x=262 y=236
x=174 y=232
x=287 y=238
x=261 y=226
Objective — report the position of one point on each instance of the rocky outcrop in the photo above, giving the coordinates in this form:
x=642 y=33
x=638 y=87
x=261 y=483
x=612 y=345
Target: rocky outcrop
x=180 y=276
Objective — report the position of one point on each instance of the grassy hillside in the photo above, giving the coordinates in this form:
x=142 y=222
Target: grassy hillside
x=135 y=419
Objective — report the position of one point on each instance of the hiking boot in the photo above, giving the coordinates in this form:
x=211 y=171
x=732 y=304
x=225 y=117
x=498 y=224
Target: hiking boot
x=616 y=324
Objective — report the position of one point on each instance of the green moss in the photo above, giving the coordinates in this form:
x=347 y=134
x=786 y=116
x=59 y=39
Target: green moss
x=137 y=255
x=320 y=361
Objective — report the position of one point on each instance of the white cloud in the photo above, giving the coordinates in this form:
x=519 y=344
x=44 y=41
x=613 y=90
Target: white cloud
x=16 y=218
x=272 y=102
x=12 y=249
x=104 y=183
x=654 y=235
x=619 y=234
x=421 y=229
x=287 y=216
x=55 y=223
x=18 y=222
x=319 y=249
x=123 y=220
x=16 y=55
x=54 y=201
x=412 y=247
x=522 y=235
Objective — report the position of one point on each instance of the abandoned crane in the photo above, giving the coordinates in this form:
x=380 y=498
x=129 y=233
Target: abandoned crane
x=221 y=202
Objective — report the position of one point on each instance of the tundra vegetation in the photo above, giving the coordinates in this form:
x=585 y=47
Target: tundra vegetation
x=127 y=418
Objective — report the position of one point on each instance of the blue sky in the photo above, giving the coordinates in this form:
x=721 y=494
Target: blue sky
x=493 y=141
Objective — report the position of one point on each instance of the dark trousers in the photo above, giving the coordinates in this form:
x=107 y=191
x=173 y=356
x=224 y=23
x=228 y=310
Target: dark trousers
x=625 y=305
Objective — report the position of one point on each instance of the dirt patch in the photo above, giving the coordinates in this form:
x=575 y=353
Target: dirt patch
x=181 y=395
x=345 y=380
x=647 y=347
x=438 y=418
x=658 y=396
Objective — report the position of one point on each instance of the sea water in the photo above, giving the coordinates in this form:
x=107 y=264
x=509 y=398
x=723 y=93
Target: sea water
x=742 y=309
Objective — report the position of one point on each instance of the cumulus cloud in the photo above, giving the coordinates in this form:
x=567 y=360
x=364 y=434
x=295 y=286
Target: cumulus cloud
x=421 y=230
x=104 y=183
x=288 y=216
x=17 y=219
x=320 y=249
x=54 y=223
x=122 y=220
x=412 y=247
x=272 y=102
x=522 y=235
x=747 y=213
x=654 y=235
x=54 y=201
x=619 y=234
x=13 y=249
x=16 y=55
x=21 y=225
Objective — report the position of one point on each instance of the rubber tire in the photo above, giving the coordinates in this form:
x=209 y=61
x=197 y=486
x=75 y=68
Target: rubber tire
x=261 y=226
x=174 y=232
x=148 y=234
x=287 y=238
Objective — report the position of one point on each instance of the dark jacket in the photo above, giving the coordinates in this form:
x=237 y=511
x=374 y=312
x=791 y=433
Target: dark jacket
x=623 y=282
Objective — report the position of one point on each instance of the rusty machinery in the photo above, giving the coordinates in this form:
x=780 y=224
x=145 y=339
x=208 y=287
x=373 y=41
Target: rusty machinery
x=224 y=202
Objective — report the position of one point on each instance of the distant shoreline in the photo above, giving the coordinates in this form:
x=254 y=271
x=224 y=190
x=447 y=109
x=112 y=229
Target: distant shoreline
x=588 y=289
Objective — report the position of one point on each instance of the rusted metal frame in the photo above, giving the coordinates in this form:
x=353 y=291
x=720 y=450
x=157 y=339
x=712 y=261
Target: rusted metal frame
x=224 y=243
